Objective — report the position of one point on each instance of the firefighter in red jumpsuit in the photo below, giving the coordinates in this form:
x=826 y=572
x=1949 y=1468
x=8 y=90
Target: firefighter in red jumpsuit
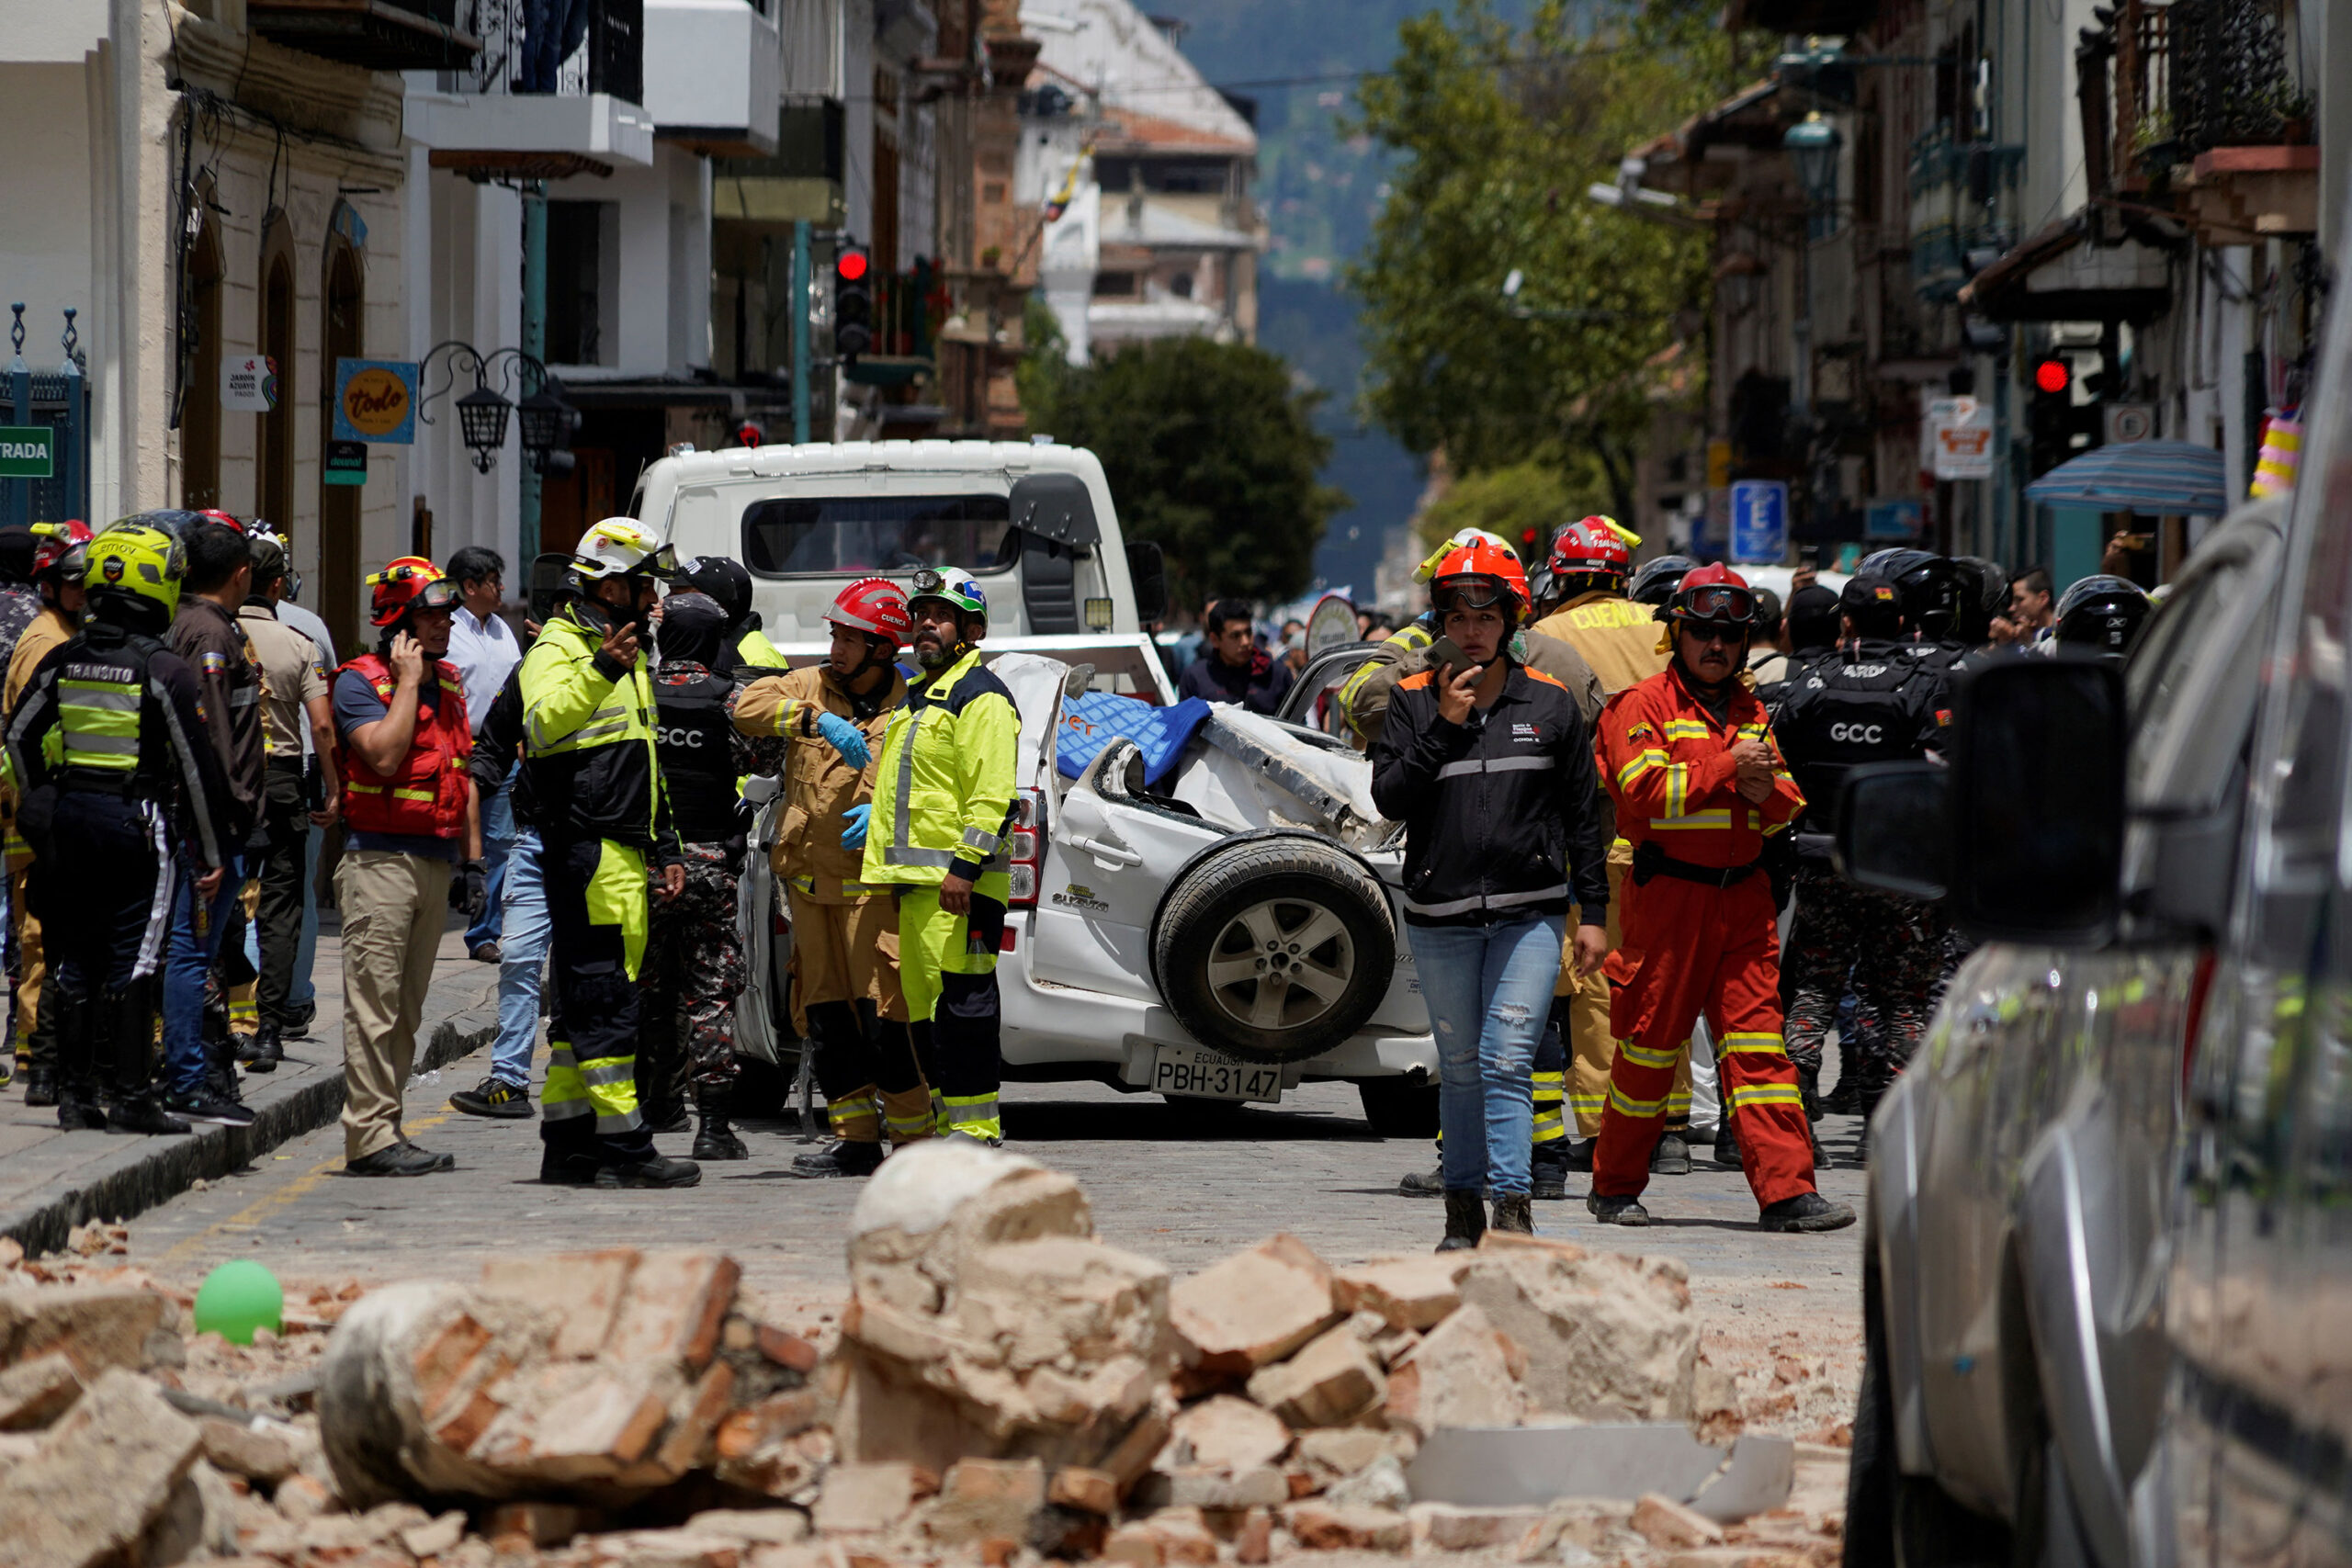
x=1699 y=786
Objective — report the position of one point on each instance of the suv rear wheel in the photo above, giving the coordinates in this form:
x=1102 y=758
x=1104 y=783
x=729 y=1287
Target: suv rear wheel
x=1274 y=948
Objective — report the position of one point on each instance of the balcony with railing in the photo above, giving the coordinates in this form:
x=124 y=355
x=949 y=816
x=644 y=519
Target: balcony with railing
x=538 y=107
x=2201 y=104
x=1963 y=196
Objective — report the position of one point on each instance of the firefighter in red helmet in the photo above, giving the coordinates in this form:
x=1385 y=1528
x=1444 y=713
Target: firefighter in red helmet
x=821 y=727
x=1699 y=784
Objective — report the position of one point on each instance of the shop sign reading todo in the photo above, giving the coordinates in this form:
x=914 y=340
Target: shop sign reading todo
x=375 y=401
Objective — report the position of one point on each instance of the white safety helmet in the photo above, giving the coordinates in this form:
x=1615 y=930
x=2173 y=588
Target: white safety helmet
x=621 y=546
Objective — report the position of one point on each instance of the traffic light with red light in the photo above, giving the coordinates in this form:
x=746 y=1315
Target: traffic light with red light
x=853 y=303
x=2052 y=375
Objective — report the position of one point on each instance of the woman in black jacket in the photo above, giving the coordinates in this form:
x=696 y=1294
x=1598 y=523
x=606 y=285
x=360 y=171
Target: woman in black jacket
x=1489 y=766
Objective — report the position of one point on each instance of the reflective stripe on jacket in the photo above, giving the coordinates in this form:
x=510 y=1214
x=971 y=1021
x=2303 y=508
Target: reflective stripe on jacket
x=819 y=787
x=588 y=741
x=944 y=785
x=426 y=796
x=1668 y=763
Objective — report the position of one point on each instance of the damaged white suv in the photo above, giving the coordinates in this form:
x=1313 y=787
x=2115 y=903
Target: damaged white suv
x=1226 y=935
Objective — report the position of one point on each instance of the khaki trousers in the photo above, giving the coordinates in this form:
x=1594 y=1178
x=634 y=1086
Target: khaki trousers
x=1592 y=1046
x=394 y=908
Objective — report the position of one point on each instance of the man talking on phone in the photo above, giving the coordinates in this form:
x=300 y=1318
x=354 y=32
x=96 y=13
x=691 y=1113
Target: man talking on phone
x=589 y=755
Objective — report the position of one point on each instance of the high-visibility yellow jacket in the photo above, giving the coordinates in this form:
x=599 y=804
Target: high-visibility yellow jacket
x=944 y=785
x=1617 y=636
x=820 y=786
x=588 y=741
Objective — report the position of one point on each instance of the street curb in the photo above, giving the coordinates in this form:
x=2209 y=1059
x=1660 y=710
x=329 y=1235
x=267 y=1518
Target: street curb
x=154 y=1170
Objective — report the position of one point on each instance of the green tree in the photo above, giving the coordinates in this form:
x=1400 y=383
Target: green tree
x=1524 y=503
x=1499 y=130
x=1211 y=452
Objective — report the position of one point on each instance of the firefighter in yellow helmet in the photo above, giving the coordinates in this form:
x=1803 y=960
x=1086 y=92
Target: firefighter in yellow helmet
x=589 y=748
x=944 y=798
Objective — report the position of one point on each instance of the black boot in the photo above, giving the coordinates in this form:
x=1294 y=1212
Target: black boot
x=78 y=1041
x=1548 y=1171
x=1809 y=1089
x=263 y=1051
x=716 y=1140
x=1465 y=1220
x=843 y=1158
x=40 y=1084
x=1515 y=1215
x=1671 y=1157
x=1430 y=1183
x=1727 y=1146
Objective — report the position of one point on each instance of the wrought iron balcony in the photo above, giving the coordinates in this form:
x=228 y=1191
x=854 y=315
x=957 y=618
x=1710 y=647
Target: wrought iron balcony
x=2230 y=83
x=609 y=58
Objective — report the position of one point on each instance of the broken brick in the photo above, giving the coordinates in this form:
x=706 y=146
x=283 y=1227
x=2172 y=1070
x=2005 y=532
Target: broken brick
x=1253 y=1308
x=983 y=1499
x=1416 y=1291
x=1226 y=1433
x=1089 y=1491
x=784 y=1347
x=598 y=1429
x=687 y=1443
x=1319 y=1526
x=771 y=1420
x=263 y=1452
x=864 y=1498
x=580 y=1291
x=672 y=1308
x=1329 y=1383
x=441 y=1361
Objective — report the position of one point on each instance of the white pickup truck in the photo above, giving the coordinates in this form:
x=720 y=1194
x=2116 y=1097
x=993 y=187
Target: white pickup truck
x=1225 y=936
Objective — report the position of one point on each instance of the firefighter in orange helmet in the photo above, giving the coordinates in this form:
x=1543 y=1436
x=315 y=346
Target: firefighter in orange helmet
x=1699 y=785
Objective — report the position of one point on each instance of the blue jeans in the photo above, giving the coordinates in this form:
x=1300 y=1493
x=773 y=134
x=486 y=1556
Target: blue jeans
x=552 y=32
x=185 y=964
x=1489 y=992
x=521 y=961
x=497 y=840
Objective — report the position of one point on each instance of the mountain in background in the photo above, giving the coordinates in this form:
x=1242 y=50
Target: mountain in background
x=1320 y=187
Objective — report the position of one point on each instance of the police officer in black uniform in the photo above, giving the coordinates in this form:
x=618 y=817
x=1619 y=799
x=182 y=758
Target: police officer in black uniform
x=109 y=745
x=1870 y=703
x=694 y=961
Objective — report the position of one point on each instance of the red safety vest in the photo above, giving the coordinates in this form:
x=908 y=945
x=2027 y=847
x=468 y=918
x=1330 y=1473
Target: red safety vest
x=426 y=798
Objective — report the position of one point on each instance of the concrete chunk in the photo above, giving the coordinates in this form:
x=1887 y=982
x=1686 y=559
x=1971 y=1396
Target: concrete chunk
x=580 y=1291
x=1226 y=1433
x=1329 y=1383
x=35 y=1392
x=1442 y=1526
x=1253 y=1308
x=986 y=1499
x=1605 y=1336
x=1662 y=1521
x=1415 y=1292
x=266 y=1451
x=868 y=1498
x=104 y=1476
x=1459 y=1375
x=93 y=1326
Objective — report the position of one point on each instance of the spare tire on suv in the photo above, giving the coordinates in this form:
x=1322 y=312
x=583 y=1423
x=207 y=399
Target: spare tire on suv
x=1274 y=947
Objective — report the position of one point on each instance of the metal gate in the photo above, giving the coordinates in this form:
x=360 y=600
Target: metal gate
x=44 y=432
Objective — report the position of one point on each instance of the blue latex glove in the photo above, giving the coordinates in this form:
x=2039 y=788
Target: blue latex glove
x=853 y=836
x=845 y=738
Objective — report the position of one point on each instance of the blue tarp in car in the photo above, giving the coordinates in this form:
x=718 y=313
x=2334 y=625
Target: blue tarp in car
x=1092 y=720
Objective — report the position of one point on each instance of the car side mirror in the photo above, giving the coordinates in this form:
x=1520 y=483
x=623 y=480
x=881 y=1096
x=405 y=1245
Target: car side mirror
x=2037 y=800
x=1894 y=828
x=2025 y=830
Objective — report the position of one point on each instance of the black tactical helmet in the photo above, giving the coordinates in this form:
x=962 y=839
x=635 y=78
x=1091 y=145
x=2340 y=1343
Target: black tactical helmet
x=724 y=578
x=1990 y=582
x=2102 y=614
x=1655 y=581
x=1930 y=586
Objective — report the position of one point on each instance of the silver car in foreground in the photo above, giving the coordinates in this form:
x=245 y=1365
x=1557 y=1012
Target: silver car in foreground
x=2021 y=1169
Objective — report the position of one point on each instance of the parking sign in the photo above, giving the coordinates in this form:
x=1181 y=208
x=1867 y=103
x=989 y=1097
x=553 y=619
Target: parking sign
x=1759 y=521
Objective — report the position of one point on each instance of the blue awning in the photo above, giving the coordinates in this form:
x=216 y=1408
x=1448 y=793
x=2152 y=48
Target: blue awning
x=2166 y=477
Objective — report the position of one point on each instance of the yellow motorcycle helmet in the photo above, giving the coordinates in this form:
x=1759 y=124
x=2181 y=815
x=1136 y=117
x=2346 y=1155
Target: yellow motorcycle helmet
x=129 y=556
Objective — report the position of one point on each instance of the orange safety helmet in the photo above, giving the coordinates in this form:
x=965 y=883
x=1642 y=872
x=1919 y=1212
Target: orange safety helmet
x=874 y=605
x=411 y=582
x=1594 y=546
x=1713 y=595
x=1466 y=571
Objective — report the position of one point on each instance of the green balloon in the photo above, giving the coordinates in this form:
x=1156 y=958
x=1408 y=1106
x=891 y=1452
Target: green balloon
x=238 y=1298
